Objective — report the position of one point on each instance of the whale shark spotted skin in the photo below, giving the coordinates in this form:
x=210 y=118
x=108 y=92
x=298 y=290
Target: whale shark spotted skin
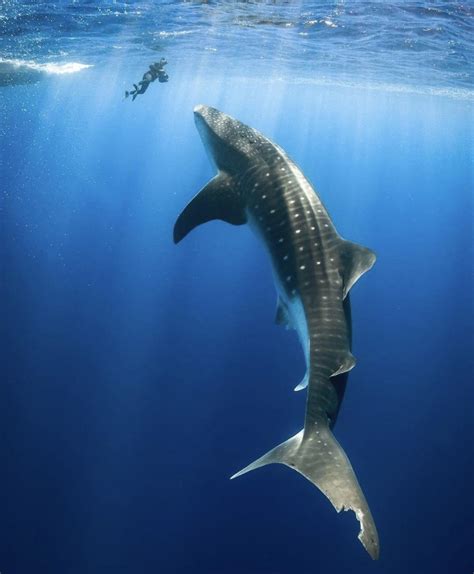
x=314 y=269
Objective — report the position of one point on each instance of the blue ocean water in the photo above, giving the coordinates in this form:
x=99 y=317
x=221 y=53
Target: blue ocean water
x=137 y=376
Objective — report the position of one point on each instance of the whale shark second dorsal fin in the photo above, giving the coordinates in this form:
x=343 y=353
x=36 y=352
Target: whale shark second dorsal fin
x=348 y=363
x=219 y=199
x=356 y=260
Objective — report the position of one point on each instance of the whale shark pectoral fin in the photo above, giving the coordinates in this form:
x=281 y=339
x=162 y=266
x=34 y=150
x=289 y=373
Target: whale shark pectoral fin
x=347 y=365
x=356 y=260
x=303 y=384
x=282 y=317
x=219 y=199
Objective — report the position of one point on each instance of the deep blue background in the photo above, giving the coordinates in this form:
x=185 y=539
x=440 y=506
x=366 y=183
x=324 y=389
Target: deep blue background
x=137 y=376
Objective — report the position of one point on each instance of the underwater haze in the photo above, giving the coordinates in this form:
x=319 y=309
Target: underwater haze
x=137 y=376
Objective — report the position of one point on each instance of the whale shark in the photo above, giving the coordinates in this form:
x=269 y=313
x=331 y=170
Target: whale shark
x=314 y=270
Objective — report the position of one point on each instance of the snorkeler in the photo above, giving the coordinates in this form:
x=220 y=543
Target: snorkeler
x=156 y=72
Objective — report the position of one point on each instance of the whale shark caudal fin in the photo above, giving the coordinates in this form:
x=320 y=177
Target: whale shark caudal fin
x=356 y=260
x=318 y=456
x=219 y=199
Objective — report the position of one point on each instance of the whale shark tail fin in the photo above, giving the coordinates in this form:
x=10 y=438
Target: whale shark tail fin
x=318 y=457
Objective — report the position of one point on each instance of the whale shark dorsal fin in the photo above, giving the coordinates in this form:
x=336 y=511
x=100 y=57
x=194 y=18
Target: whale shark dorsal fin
x=219 y=199
x=356 y=260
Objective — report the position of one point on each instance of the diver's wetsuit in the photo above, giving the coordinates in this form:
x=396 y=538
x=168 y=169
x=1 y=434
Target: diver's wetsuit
x=156 y=71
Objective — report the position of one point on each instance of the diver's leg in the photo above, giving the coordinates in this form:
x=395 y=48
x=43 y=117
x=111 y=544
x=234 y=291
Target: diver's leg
x=143 y=87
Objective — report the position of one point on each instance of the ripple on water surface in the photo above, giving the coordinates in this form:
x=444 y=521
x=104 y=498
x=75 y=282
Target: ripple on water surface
x=386 y=43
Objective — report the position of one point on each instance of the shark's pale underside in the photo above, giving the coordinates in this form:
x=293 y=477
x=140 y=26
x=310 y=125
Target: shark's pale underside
x=314 y=269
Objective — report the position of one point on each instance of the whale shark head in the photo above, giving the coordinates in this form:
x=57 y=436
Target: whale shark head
x=229 y=143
